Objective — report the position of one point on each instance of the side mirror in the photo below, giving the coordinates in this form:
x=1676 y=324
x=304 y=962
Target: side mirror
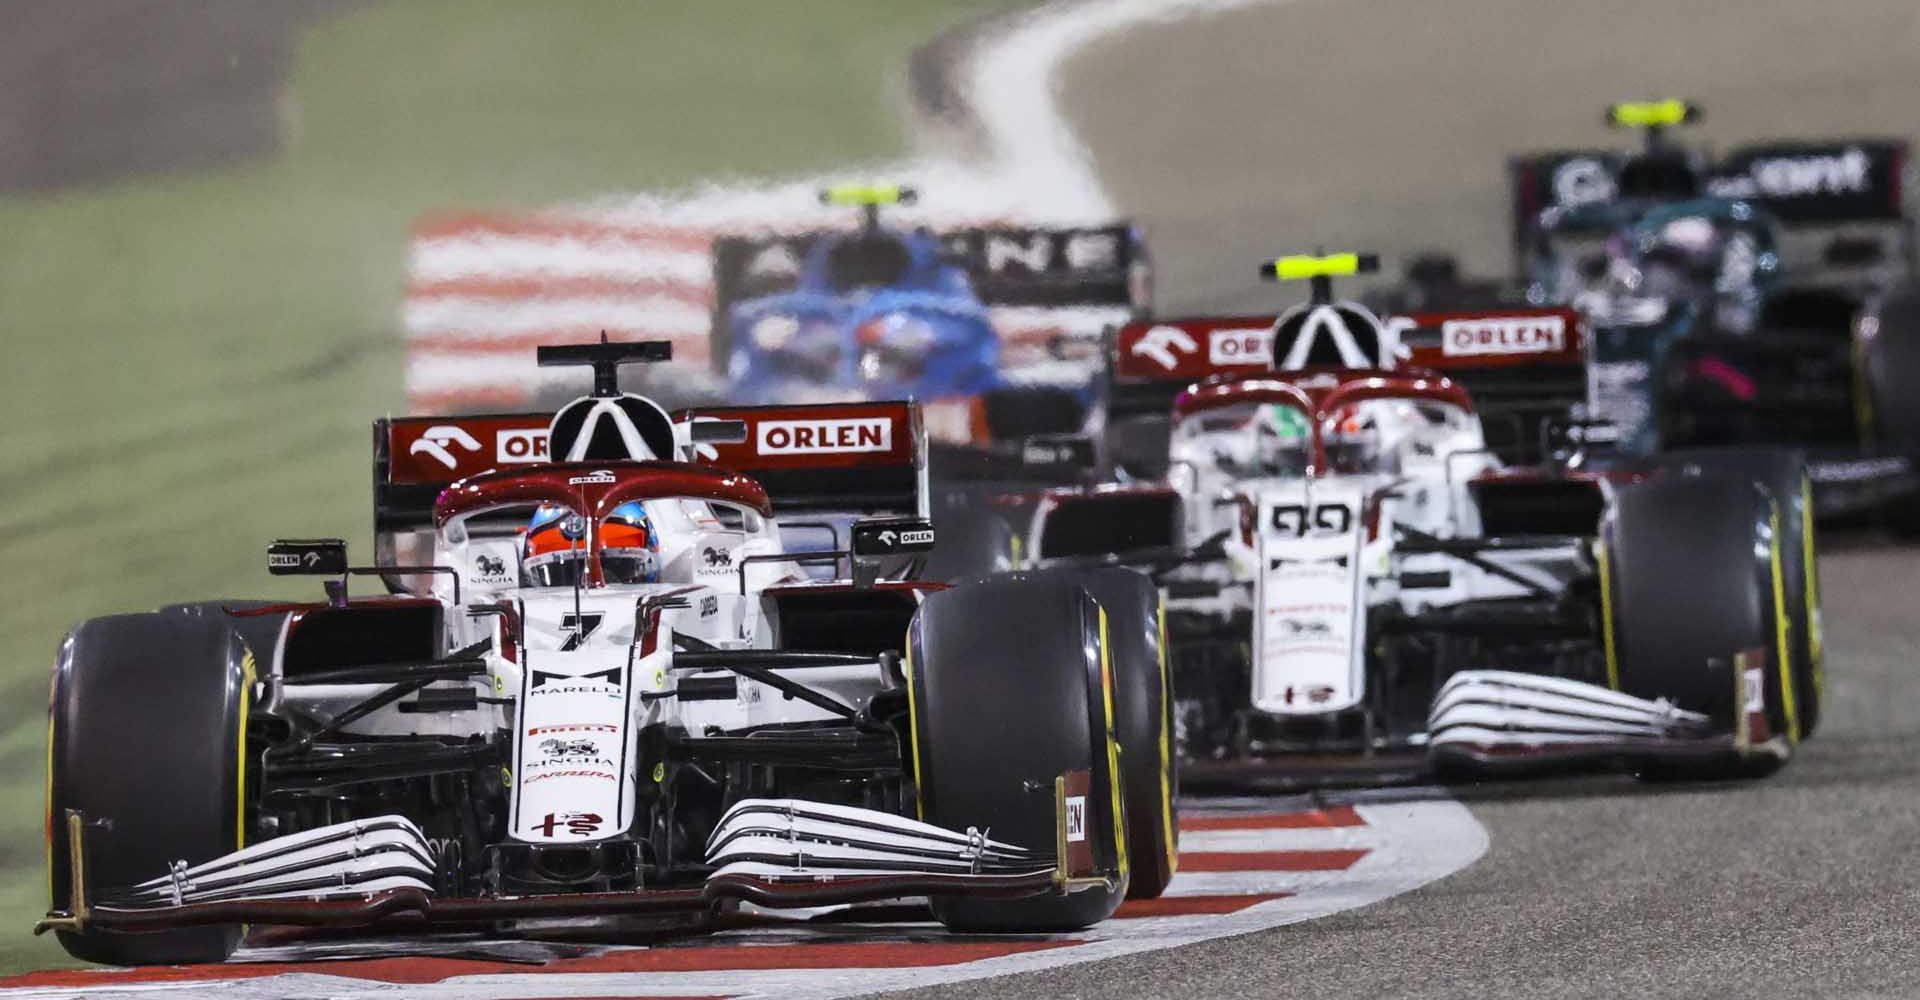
x=878 y=537
x=1061 y=452
x=307 y=557
x=328 y=557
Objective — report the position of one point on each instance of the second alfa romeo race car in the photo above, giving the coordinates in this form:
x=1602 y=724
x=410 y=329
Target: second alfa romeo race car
x=1356 y=578
x=603 y=687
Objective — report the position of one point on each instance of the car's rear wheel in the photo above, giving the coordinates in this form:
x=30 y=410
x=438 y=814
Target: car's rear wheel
x=147 y=739
x=1889 y=367
x=1691 y=576
x=252 y=618
x=970 y=541
x=1009 y=681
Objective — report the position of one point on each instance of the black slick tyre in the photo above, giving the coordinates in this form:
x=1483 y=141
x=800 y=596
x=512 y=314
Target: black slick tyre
x=260 y=631
x=147 y=739
x=1783 y=473
x=1008 y=686
x=1691 y=575
x=1143 y=719
x=969 y=542
x=1888 y=367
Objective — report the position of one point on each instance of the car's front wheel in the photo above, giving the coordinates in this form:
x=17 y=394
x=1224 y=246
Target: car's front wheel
x=147 y=741
x=1010 y=688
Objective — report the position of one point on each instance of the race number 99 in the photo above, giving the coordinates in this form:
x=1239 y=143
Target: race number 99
x=1299 y=520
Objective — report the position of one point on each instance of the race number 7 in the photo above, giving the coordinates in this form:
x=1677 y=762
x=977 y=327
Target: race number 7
x=1300 y=521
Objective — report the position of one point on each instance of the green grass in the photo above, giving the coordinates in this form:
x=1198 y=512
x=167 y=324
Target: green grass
x=192 y=361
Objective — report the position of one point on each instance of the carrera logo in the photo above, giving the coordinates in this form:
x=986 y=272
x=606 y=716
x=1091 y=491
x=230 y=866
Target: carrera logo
x=520 y=446
x=824 y=437
x=1076 y=818
x=1518 y=335
x=1240 y=347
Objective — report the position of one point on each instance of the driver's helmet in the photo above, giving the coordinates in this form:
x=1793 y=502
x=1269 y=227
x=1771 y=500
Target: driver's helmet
x=1281 y=440
x=554 y=553
x=894 y=347
x=1678 y=257
x=1354 y=441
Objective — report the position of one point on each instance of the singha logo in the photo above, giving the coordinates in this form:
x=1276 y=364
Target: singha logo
x=717 y=560
x=491 y=565
x=569 y=748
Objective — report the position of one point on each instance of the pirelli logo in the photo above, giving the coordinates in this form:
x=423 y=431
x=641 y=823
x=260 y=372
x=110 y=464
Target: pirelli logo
x=824 y=437
x=1507 y=335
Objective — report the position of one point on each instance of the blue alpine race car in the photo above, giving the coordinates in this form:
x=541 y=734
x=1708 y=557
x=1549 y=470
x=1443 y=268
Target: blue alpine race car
x=1005 y=320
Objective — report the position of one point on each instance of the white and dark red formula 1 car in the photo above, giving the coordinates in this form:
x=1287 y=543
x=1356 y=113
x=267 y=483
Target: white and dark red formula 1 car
x=1366 y=570
x=604 y=685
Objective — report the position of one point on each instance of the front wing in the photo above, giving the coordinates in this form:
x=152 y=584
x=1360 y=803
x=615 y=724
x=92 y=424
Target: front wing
x=778 y=853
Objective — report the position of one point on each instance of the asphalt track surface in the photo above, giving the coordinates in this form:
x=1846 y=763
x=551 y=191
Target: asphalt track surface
x=1382 y=125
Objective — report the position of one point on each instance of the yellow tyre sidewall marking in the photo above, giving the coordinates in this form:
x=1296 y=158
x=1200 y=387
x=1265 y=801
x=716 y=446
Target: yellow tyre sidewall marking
x=1113 y=748
x=51 y=708
x=1816 y=641
x=1166 y=747
x=1606 y=610
x=1783 y=627
x=913 y=724
x=248 y=674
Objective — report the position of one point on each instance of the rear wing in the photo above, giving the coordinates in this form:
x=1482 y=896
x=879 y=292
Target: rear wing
x=1818 y=183
x=414 y=458
x=1151 y=361
x=867 y=458
x=1842 y=204
x=1520 y=364
x=852 y=457
x=1009 y=266
x=1802 y=184
x=1562 y=179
